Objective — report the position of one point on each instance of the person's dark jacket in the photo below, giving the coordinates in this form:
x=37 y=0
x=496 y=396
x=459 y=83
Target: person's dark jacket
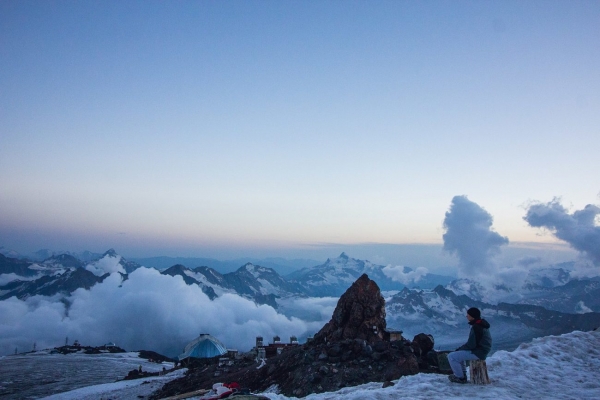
x=480 y=340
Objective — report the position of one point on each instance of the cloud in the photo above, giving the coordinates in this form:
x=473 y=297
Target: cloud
x=106 y=264
x=579 y=229
x=527 y=261
x=469 y=235
x=405 y=275
x=318 y=310
x=581 y=308
x=6 y=278
x=511 y=277
x=148 y=311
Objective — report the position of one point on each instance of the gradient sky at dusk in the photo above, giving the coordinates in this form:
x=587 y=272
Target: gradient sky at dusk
x=183 y=127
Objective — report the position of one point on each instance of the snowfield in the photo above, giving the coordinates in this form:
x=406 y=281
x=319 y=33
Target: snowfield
x=552 y=367
x=134 y=389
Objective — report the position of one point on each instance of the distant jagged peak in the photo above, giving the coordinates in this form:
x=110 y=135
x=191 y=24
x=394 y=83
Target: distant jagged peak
x=254 y=268
x=176 y=268
x=341 y=259
x=344 y=261
x=110 y=253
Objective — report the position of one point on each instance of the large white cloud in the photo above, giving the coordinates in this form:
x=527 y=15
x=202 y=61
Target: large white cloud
x=148 y=311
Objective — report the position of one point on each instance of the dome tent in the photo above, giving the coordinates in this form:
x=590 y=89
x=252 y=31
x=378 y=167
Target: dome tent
x=204 y=346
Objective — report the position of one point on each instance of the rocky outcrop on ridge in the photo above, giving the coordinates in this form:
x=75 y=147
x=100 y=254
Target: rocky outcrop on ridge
x=351 y=349
x=359 y=314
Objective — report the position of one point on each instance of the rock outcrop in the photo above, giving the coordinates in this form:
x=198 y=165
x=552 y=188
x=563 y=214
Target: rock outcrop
x=359 y=314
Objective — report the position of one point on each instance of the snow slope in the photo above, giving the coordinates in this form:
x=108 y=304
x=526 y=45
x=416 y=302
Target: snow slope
x=553 y=367
x=123 y=390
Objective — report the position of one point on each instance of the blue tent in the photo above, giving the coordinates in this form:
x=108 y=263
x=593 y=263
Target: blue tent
x=204 y=346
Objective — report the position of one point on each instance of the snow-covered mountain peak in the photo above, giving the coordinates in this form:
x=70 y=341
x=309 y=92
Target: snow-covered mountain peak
x=343 y=261
x=252 y=268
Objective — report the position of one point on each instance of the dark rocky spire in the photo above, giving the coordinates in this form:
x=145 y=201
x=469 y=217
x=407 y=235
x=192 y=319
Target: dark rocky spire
x=359 y=314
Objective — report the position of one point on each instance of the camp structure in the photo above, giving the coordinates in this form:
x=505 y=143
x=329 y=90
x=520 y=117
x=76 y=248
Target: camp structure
x=204 y=346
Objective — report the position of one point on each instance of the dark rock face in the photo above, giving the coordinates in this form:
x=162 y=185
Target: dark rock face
x=359 y=314
x=311 y=368
x=268 y=299
x=349 y=350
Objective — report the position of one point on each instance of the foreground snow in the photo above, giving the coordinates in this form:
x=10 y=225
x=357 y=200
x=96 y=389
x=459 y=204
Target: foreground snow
x=552 y=367
x=123 y=390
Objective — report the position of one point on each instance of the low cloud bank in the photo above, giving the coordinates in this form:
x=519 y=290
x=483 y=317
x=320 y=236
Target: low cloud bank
x=404 y=275
x=148 y=311
x=579 y=229
x=107 y=264
x=527 y=261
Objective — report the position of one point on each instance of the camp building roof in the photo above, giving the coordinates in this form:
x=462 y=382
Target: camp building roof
x=204 y=346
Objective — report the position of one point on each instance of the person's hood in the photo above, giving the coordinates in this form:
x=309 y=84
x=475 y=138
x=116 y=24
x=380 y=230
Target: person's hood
x=480 y=322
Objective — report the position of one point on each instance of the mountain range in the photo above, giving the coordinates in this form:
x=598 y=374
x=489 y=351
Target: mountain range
x=550 y=300
x=262 y=284
x=442 y=313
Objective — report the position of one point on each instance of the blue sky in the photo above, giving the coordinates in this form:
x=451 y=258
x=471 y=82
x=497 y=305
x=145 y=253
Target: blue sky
x=186 y=128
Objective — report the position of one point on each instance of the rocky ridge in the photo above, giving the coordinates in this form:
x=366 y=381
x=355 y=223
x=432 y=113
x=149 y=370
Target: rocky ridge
x=351 y=349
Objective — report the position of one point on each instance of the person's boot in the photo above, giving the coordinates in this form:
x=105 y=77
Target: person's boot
x=456 y=379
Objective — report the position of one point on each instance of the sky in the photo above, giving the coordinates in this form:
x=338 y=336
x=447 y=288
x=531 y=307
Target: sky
x=220 y=128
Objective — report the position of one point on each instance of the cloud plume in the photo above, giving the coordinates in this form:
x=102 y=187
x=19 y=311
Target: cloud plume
x=469 y=235
x=578 y=229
